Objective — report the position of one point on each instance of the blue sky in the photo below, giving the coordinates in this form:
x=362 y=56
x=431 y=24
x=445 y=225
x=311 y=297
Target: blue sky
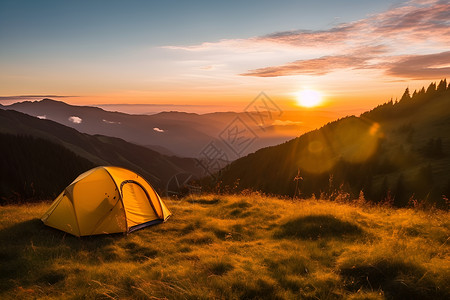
x=25 y=23
x=153 y=51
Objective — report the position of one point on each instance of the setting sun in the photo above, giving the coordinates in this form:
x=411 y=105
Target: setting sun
x=309 y=98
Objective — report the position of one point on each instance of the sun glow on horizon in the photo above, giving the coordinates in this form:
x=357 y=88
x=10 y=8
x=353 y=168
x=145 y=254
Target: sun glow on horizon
x=309 y=98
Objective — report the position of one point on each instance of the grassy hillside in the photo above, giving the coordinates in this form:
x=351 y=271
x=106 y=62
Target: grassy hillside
x=29 y=166
x=398 y=151
x=98 y=149
x=234 y=247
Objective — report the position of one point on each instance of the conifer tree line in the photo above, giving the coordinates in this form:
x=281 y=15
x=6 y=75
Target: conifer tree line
x=409 y=164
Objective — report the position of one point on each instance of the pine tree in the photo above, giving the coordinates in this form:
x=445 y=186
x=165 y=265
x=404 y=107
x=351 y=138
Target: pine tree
x=422 y=91
x=433 y=148
x=405 y=96
x=424 y=181
x=442 y=86
x=383 y=190
x=400 y=193
x=431 y=89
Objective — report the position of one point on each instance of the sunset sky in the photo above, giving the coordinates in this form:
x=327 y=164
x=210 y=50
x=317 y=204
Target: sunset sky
x=218 y=55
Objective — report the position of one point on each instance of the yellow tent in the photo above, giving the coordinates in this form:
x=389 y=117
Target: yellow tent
x=106 y=200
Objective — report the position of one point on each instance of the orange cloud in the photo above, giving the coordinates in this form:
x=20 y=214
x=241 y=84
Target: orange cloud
x=421 y=66
x=317 y=66
x=358 y=58
x=412 y=22
x=308 y=37
x=398 y=33
x=427 y=22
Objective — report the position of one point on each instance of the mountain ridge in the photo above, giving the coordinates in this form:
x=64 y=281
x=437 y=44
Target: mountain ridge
x=398 y=152
x=169 y=130
x=99 y=149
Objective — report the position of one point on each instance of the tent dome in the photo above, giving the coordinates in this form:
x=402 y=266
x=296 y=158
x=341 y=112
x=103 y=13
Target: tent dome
x=106 y=200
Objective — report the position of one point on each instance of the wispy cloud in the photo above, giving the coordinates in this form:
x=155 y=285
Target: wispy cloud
x=316 y=66
x=110 y=122
x=75 y=119
x=416 y=26
x=286 y=123
x=422 y=66
x=406 y=41
x=414 y=21
x=359 y=58
x=33 y=97
x=337 y=34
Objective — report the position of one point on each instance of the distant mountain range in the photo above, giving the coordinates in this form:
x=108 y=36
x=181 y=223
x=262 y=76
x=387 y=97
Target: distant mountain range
x=399 y=152
x=77 y=152
x=179 y=133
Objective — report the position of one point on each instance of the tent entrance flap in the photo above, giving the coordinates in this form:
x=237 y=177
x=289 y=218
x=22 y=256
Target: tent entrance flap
x=136 y=210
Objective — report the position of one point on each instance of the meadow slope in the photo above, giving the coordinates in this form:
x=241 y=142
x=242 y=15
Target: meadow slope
x=238 y=247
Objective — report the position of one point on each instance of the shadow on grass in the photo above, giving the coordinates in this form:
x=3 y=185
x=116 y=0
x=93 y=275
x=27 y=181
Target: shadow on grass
x=282 y=269
x=238 y=210
x=242 y=204
x=205 y=201
x=28 y=248
x=398 y=280
x=259 y=289
x=198 y=239
x=138 y=253
x=220 y=267
x=316 y=227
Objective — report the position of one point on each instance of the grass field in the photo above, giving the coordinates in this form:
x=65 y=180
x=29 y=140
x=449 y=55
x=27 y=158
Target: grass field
x=239 y=247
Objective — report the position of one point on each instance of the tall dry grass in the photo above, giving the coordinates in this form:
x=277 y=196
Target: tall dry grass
x=245 y=247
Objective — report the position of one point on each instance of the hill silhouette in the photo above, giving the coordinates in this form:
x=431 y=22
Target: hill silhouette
x=26 y=138
x=166 y=131
x=398 y=152
x=35 y=168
